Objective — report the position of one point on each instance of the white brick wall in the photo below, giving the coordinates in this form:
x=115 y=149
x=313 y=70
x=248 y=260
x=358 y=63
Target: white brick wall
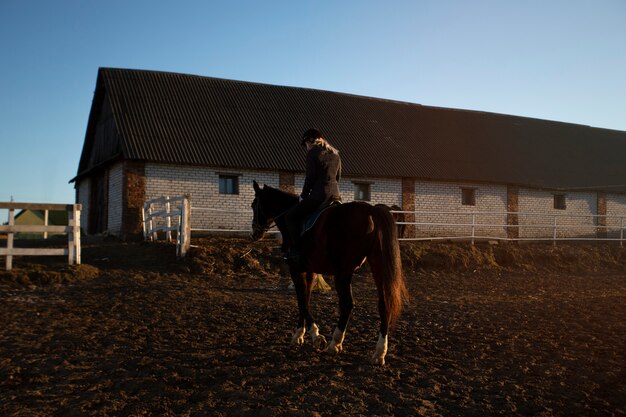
x=201 y=183
x=444 y=199
x=382 y=190
x=538 y=205
x=615 y=209
x=115 y=199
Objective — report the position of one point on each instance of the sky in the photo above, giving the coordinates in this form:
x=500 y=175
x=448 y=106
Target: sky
x=562 y=60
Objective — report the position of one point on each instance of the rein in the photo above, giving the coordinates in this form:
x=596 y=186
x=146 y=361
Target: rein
x=265 y=229
x=281 y=214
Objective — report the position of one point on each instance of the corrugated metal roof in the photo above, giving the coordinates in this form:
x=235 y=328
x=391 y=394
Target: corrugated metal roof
x=189 y=119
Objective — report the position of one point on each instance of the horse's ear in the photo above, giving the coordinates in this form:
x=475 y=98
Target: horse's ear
x=256 y=186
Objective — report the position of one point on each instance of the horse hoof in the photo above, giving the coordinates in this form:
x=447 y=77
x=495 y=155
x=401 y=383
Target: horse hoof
x=320 y=343
x=378 y=360
x=298 y=337
x=334 y=349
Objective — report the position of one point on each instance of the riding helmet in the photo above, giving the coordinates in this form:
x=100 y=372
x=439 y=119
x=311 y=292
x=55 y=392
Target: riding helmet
x=310 y=135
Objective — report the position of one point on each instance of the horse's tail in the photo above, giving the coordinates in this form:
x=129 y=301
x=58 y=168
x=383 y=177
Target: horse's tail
x=385 y=261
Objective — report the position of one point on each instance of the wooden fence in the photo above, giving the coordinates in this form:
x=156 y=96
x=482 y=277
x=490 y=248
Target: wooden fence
x=158 y=216
x=72 y=230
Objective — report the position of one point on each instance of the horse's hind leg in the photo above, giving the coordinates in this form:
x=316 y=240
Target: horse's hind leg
x=343 y=285
x=381 y=346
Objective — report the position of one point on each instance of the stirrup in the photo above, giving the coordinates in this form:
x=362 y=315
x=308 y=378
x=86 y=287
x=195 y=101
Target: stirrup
x=293 y=256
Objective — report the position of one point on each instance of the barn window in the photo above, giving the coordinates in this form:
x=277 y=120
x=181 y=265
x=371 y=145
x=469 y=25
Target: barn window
x=559 y=201
x=229 y=184
x=468 y=196
x=362 y=191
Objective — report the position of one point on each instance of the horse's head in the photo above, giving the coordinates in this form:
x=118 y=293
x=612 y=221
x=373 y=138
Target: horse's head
x=261 y=222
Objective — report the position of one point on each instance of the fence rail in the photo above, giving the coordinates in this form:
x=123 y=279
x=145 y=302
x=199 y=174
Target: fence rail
x=595 y=229
x=72 y=230
x=426 y=225
x=558 y=227
x=223 y=229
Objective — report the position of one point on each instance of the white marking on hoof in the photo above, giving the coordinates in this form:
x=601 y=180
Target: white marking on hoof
x=298 y=337
x=319 y=341
x=336 y=344
x=381 y=350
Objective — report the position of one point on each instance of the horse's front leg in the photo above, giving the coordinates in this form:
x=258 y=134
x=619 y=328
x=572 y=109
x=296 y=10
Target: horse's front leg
x=299 y=283
x=303 y=283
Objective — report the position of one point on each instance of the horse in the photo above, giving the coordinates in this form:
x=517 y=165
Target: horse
x=342 y=239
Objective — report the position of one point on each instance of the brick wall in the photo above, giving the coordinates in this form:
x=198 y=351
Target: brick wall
x=408 y=204
x=537 y=208
x=133 y=195
x=382 y=190
x=287 y=181
x=512 y=207
x=615 y=208
x=201 y=183
x=443 y=202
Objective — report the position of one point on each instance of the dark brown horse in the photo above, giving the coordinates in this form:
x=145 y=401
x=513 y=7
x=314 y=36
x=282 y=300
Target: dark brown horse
x=342 y=239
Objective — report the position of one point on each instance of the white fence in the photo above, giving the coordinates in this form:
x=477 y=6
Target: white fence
x=168 y=214
x=472 y=226
x=72 y=230
x=431 y=225
x=435 y=225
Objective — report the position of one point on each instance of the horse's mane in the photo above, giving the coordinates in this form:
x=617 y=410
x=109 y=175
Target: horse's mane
x=279 y=195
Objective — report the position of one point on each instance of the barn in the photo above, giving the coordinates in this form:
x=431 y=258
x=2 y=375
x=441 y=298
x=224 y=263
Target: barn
x=153 y=133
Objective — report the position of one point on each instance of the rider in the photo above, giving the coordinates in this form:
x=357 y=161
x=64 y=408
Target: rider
x=323 y=171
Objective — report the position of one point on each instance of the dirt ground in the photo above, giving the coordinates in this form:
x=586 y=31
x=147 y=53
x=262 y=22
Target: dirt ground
x=491 y=330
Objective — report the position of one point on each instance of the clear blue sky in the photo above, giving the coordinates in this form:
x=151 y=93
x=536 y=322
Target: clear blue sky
x=559 y=60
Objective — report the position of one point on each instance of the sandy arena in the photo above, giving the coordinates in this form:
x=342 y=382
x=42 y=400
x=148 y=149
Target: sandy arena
x=530 y=330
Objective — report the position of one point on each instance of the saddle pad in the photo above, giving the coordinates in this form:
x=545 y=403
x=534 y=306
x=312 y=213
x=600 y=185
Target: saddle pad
x=309 y=222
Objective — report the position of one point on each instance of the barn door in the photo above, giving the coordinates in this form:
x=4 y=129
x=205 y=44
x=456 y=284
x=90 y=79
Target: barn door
x=98 y=203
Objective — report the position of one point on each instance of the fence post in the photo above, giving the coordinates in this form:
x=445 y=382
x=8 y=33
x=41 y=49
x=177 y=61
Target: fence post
x=621 y=232
x=71 y=243
x=554 y=233
x=76 y=232
x=9 y=257
x=184 y=228
x=473 y=227
x=168 y=220
x=149 y=221
x=73 y=236
x=143 y=221
x=45 y=223
x=155 y=235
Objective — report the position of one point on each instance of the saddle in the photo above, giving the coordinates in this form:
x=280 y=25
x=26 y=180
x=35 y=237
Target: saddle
x=310 y=220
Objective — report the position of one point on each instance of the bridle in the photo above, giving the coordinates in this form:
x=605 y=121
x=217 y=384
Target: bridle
x=259 y=230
